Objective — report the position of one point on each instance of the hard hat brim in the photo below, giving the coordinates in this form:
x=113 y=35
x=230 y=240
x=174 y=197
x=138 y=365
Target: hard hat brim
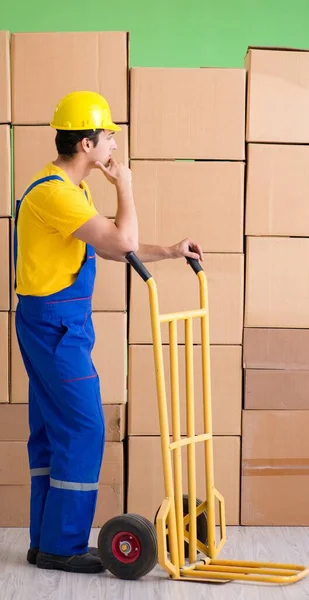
x=112 y=127
x=107 y=127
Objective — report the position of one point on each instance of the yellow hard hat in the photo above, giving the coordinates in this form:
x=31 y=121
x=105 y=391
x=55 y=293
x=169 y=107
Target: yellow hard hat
x=83 y=110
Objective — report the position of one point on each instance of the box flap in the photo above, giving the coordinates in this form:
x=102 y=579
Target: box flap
x=5 y=78
x=277 y=48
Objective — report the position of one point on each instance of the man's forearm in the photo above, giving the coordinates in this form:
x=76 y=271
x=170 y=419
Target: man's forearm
x=126 y=218
x=151 y=253
x=146 y=253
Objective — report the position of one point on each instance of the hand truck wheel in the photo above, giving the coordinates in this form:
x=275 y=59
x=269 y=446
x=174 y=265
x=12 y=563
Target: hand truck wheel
x=201 y=523
x=127 y=546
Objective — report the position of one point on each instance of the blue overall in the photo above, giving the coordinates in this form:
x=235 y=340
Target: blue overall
x=67 y=432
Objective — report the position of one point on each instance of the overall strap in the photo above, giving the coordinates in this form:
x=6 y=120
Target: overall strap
x=18 y=203
x=42 y=180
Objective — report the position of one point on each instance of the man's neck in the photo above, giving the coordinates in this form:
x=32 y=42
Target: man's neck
x=74 y=168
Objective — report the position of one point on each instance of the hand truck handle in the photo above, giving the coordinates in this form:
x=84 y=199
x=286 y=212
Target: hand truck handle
x=194 y=264
x=140 y=268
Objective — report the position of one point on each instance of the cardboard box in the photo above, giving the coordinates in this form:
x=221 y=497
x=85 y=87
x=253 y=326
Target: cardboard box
x=5 y=170
x=41 y=139
x=276 y=390
x=63 y=63
x=14 y=505
x=110 y=503
x=275 y=473
x=146 y=489
x=178 y=290
x=110 y=286
x=15 y=497
x=4 y=358
x=14 y=466
x=112 y=471
x=5 y=78
x=277 y=282
x=211 y=197
x=277 y=190
x=278 y=95
x=188 y=113
x=109 y=357
x=115 y=422
x=277 y=369
x=4 y=265
x=14 y=422
x=282 y=349
x=226 y=390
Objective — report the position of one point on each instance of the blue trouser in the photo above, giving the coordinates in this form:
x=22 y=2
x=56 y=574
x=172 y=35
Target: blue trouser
x=66 y=443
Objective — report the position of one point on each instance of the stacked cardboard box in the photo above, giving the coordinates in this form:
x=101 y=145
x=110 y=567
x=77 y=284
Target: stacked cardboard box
x=5 y=212
x=187 y=153
x=98 y=62
x=277 y=290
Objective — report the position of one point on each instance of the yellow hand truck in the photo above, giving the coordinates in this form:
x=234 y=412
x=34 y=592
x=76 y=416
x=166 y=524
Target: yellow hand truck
x=130 y=545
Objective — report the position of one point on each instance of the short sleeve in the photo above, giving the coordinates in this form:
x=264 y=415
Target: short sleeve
x=66 y=209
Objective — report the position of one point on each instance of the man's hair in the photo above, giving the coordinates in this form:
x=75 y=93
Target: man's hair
x=66 y=141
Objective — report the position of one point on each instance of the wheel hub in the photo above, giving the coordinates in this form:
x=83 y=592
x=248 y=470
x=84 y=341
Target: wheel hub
x=126 y=547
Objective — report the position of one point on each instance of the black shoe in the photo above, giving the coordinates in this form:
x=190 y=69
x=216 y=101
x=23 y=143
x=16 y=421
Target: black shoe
x=82 y=563
x=31 y=555
x=79 y=563
x=33 y=552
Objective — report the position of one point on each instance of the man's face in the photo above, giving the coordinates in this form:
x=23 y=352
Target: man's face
x=104 y=148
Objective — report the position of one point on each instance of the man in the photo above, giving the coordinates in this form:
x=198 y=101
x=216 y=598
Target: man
x=58 y=232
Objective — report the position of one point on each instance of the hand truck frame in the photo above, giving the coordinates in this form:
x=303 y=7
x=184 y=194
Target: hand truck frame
x=173 y=527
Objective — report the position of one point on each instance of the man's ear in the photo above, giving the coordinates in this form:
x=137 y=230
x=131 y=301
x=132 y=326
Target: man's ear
x=86 y=145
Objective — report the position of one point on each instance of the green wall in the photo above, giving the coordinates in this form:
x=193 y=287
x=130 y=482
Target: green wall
x=172 y=33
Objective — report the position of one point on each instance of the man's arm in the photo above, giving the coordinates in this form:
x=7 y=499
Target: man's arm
x=146 y=253
x=121 y=236
x=150 y=253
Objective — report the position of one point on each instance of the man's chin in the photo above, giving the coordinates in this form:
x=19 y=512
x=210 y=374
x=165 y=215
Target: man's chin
x=106 y=164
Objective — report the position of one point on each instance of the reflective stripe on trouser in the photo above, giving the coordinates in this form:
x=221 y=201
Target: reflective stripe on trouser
x=66 y=428
x=39 y=472
x=64 y=485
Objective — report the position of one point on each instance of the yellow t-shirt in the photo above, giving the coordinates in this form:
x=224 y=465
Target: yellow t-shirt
x=49 y=257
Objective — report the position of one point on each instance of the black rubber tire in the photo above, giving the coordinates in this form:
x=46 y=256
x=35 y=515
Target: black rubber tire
x=201 y=523
x=147 y=537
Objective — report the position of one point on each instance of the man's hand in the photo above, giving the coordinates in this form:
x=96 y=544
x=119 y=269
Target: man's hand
x=116 y=173
x=188 y=249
